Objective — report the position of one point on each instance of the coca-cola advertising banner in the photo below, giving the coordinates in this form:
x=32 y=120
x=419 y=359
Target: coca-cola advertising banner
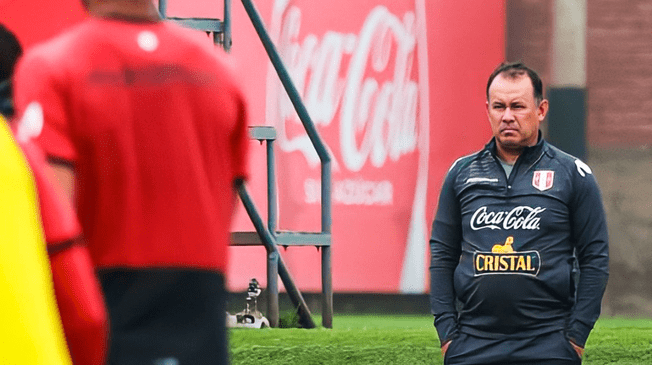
x=364 y=77
x=396 y=91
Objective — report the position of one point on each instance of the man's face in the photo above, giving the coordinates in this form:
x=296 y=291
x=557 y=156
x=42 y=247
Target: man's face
x=513 y=113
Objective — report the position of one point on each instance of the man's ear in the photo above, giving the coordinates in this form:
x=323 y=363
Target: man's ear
x=542 y=111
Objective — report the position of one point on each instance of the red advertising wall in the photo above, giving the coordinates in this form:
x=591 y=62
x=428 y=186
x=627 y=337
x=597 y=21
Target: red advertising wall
x=35 y=20
x=396 y=89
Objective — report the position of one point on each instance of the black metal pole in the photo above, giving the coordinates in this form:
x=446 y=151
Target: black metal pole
x=320 y=147
x=272 y=288
x=268 y=240
x=277 y=62
x=326 y=288
x=226 y=24
x=300 y=108
x=162 y=8
x=272 y=206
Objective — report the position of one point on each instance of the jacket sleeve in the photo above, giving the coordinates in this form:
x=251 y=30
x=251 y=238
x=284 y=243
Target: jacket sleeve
x=589 y=233
x=445 y=250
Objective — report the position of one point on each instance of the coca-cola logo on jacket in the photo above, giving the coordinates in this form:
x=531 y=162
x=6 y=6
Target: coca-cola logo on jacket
x=522 y=217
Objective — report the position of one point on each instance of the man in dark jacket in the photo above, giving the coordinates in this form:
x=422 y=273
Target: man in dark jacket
x=519 y=245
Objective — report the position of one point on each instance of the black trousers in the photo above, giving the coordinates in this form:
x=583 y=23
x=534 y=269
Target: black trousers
x=166 y=317
x=547 y=349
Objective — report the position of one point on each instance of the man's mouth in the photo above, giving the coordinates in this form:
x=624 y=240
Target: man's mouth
x=509 y=130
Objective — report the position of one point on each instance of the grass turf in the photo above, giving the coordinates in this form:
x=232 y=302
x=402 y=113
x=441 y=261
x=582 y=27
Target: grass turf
x=391 y=339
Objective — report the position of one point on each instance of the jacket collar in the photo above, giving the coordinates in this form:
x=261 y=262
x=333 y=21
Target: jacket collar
x=529 y=154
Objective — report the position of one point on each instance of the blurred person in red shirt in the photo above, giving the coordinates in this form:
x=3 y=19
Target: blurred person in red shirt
x=145 y=122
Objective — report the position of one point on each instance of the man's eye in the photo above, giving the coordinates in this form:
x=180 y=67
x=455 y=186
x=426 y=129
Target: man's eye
x=499 y=107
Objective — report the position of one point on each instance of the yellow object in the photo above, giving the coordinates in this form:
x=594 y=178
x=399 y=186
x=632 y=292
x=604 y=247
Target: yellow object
x=30 y=325
x=507 y=248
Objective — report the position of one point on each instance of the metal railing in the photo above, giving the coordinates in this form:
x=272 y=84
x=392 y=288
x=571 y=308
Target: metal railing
x=268 y=236
x=320 y=148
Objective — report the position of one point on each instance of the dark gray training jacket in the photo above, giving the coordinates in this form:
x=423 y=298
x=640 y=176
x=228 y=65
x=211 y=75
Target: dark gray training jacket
x=505 y=251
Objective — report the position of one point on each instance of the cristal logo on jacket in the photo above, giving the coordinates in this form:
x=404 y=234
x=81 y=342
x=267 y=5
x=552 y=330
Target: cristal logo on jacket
x=503 y=259
x=522 y=217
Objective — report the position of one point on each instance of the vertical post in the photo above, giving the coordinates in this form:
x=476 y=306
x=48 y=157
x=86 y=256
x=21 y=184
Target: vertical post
x=567 y=91
x=569 y=43
x=272 y=256
x=326 y=266
x=162 y=8
x=272 y=207
x=326 y=288
x=272 y=288
x=226 y=26
x=326 y=202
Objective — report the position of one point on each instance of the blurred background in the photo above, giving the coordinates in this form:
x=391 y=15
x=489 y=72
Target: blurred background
x=397 y=90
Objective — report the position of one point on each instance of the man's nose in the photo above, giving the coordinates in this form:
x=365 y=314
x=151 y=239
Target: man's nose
x=508 y=116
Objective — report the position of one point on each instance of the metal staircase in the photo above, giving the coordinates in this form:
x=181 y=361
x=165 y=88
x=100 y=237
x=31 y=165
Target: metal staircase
x=268 y=235
x=220 y=29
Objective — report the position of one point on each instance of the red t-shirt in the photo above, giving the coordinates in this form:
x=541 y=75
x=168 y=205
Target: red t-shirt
x=154 y=124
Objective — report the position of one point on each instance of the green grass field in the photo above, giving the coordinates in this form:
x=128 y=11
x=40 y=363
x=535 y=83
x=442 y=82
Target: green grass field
x=411 y=340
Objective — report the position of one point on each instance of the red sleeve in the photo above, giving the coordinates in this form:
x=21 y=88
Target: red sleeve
x=78 y=293
x=60 y=222
x=40 y=101
x=81 y=304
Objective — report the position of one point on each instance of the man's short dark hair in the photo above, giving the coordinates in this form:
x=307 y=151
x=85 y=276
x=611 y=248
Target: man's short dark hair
x=517 y=69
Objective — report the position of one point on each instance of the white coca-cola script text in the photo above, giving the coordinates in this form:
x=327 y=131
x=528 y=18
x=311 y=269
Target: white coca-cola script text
x=522 y=217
